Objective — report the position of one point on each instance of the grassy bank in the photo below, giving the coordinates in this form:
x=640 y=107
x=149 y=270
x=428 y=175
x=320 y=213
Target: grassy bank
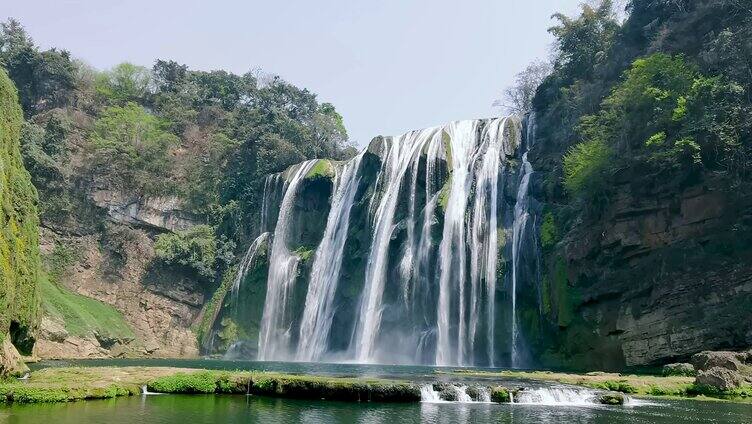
x=70 y=384
x=83 y=316
x=639 y=385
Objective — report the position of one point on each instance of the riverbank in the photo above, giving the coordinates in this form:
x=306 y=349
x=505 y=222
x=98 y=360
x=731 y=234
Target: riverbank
x=65 y=384
x=80 y=383
x=637 y=385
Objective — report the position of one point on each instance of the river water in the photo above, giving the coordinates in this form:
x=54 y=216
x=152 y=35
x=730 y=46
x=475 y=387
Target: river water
x=254 y=409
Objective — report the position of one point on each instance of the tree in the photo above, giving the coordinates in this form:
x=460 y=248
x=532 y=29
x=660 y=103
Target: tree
x=583 y=43
x=124 y=83
x=132 y=146
x=197 y=248
x=519 y=97
x=44 y=79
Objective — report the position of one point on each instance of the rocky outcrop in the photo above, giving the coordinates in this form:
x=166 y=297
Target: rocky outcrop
x=660 y=275
x=11 y=363
x=679 y=369
x=723 y=370
x=162 y=213
x=116 y=267
x=720 y=378
x=19 y=238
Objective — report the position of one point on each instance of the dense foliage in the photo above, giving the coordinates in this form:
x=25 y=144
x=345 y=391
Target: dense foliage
x=196 y=248
x=663 y=95
x=208 y=138
x=19 y=245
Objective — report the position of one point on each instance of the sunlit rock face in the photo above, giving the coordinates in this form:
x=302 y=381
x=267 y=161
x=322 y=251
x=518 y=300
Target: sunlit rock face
x=415 y=251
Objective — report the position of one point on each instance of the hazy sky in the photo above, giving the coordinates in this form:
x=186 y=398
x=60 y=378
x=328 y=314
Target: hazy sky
x=387 y=65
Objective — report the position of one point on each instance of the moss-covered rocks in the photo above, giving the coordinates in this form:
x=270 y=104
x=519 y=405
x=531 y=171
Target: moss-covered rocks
x=19 y=234
x=501 y=395
x=611 y=398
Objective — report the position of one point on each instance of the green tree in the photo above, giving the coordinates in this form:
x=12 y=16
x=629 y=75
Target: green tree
x=583 y=43
x=124 y=83
x=132 y=146
x=44 y=79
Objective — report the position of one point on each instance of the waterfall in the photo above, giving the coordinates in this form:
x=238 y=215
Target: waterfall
x=327 y=262
x=452 y=266
x=398 y=155
x=246 y=264
x=519 y=227
x=274 y=335
x=484 y=231
x=432 y=226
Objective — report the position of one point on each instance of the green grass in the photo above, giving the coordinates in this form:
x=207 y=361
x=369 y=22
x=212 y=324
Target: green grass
x=82 y=315
x=322 y=169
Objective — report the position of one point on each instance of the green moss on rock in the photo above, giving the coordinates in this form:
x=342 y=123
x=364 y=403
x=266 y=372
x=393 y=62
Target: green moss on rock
x=323 y=168
x=500 y=395
x=19 y=223
x=444 y=193
x=611 y=399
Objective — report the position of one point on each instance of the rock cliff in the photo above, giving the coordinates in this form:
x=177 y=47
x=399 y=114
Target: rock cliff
x=661 y=274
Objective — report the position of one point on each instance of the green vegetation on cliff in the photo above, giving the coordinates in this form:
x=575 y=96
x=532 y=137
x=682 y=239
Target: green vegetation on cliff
x=19 y=245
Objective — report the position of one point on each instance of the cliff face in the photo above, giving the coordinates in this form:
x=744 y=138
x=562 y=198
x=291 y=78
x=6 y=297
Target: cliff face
x=114 y=263
x=19 y=257
x=661 y=274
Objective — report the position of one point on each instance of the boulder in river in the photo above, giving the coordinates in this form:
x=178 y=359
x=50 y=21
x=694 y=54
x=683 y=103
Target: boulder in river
x=611 y=398
x=500 y=395
x=720 y=378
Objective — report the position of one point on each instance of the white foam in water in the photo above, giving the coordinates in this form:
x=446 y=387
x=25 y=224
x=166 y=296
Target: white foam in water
x=145 y=391
x=556 y=396
x=429 y=395
x=628 y=401
x=462 y=396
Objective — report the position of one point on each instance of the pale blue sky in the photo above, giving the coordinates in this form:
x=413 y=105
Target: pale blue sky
x=388 y=66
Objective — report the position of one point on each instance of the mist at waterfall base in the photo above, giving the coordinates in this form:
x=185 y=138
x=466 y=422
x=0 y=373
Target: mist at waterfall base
x=419 y=250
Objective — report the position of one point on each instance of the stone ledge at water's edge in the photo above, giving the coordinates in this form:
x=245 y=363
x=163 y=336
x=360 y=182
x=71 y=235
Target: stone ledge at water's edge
x=72 y=384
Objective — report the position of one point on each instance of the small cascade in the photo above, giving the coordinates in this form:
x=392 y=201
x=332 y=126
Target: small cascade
x=462 y=396
x=556 y=396
x=145 y=391
x=484 y=395
x=274 y=334
x=444 y=393
x=247 y=263
x=429 y=394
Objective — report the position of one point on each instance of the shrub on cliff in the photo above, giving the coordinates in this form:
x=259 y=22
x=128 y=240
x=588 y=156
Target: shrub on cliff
x=197 y=248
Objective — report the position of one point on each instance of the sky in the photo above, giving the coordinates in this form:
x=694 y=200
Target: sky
x=389 y=66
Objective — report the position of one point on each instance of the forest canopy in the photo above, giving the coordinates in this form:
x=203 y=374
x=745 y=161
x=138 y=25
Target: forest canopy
x=208 y=137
